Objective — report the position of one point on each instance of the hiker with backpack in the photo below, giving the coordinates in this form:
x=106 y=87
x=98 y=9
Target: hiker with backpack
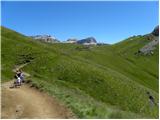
x=21 y=76
x=151 y=99
x=18 y=78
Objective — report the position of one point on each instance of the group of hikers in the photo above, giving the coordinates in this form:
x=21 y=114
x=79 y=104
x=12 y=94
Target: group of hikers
x=19 y=76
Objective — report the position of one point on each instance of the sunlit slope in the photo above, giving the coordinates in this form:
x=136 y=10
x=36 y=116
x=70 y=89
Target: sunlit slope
x=97 y=82
x=121 y=57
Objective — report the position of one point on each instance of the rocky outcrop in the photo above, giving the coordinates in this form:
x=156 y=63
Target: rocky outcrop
x=155 y=32
x=45 y=38
x=148 y=49
x=88 y=41
x=154 y=40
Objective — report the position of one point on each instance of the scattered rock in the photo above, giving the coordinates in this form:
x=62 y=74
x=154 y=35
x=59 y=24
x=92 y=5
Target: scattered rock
x=153 y=37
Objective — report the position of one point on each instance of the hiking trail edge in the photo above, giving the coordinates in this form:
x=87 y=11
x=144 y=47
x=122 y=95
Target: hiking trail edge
x=27 y=102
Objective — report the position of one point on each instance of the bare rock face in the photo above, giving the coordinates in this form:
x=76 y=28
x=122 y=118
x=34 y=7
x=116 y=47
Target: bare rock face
x=155 y=32
x=45 y=38
x=148 y=49
x=88 y=41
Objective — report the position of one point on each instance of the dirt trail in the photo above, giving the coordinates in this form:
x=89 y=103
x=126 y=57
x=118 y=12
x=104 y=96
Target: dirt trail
x=27 y=102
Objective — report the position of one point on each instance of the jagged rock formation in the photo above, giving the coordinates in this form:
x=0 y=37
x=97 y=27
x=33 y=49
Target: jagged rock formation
x=155 y=32
x=88 y=41
x=154 y=40
x=45 y=38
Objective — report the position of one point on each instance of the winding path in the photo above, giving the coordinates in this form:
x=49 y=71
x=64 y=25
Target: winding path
x=27 y=102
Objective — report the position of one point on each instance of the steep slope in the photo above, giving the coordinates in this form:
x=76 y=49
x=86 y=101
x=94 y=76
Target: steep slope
x=144 y=67
x=121 y=57
x=98 y=82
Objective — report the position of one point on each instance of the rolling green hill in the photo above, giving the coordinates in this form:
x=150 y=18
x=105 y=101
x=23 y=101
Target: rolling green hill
x=107 y=81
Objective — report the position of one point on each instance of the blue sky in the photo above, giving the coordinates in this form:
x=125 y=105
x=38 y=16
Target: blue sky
x=108 y=22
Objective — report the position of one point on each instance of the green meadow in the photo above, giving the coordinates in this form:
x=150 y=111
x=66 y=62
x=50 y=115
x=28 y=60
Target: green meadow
x=107 y=81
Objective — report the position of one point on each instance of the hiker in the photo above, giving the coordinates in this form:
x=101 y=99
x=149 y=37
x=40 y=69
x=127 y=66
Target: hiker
x=18 y=75
x=151 y=99
x=21 y=76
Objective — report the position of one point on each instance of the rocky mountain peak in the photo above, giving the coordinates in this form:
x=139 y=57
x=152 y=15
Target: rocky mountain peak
x=88 y=41
x=45 y=38
x=156 y=31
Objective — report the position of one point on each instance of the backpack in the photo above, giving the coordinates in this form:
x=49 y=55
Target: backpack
x=15 y=77
x=19 y=74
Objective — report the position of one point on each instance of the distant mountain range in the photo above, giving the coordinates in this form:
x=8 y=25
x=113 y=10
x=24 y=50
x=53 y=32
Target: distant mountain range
x=92 y=41
x=45 y=38
x=50 y=39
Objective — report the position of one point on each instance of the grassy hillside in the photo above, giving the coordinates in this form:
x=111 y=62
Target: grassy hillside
x=99 y=82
